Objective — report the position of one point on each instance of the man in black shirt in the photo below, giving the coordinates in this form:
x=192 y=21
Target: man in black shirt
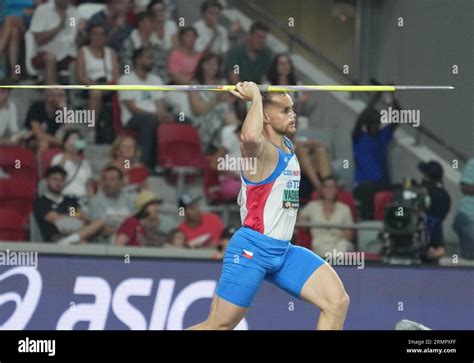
x=440 y=202
x=59 y=218
x=40 y=119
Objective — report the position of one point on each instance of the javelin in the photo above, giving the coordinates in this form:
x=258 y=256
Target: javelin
x=262 y=88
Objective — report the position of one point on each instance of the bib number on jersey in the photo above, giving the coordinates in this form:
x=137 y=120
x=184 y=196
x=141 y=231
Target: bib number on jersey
x=291 y=198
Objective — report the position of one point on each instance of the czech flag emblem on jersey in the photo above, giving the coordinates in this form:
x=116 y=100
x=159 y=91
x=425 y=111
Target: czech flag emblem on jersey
x=247 y=254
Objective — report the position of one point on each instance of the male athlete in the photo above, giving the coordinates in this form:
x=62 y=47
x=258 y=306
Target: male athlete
x=268 y=201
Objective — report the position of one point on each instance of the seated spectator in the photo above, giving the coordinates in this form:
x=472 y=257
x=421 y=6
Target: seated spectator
x=125 y=155
x=141 y=111
x=114 y=20
x=464 y=220
x=177 y=238
x=252 y=57
x=222 y=246
x=142 y=229
x=328 y=210
x=55 y=36
x=145 y=37
x=15 y=16
x=370 y=145
x=60 y=218
x=110 y=206
x=282 y=72
x=440 y=202
x=40 y=119
x=315 y=165
x=183 y=59
x=212 y=37
x=229 y=180
x=200 y=229
x=165 y=30
x=9 y=133
x=79 y=172
x=97 y=64
x=209 y=109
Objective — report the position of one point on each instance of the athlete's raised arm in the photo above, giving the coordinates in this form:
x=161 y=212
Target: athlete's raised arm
x=251 y=137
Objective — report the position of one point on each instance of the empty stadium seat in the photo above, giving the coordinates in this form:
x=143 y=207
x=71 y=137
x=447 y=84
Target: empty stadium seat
x=179 y=145
x=18 y=195
x=381 y=199
x=18 y=162
x=11 y=226
x=46 y=158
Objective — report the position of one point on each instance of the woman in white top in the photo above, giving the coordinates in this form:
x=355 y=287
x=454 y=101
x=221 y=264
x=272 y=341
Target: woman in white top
x=97 y=64
x=79 y=171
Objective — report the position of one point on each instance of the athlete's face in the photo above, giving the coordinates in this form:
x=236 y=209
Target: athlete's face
x=281 y=114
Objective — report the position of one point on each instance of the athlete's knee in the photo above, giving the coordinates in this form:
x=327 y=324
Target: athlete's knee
x=214 y=324
x=337 y=304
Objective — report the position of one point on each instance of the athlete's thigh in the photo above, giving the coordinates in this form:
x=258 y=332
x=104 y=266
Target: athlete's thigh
x=224 y=314
x=298 y=266
x=323 y=287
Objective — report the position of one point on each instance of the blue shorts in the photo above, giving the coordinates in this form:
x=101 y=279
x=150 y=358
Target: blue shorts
x=252 y=257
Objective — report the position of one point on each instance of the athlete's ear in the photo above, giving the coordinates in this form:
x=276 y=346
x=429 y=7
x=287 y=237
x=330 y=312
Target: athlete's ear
x=266 y=118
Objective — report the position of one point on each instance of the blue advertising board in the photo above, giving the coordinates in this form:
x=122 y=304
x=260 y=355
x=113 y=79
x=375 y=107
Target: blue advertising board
x=78 y=292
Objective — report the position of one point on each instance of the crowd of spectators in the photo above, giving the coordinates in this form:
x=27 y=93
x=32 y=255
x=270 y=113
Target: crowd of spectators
x=142 y=44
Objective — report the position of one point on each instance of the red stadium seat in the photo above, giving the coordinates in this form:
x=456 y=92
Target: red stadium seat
x=18 y=162
x=344 y=197
x=46 y=158
x=303 y=238
x=11 y=226
x=18 y=195
x=138 y=175
x=179 y=145
x=382 y=199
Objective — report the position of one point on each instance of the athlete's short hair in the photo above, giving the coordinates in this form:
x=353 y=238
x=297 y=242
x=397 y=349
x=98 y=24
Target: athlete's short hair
x=267 y=97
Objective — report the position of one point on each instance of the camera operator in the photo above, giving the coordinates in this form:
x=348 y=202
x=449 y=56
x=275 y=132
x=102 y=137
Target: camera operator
x=438 y=209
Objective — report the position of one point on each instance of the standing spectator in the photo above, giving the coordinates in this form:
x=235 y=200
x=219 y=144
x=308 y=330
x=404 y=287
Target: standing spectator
x=328 y=210
x=183 y=59
x=114 y=20
x=282 y=72
x=209 y=108
x=97 y=64
x=54 y=28
x=440 y=202
x=15 y=16
x=142 y=229
x=142 y=110
x=59 y=217
x=165 y=29
x=201 y=229
x=212 y=37
x=78 y=169
x=252 y=57
x=8 y=118
x=110 y=205
x=40 y=119
x=370 y=143
x=464 y=220
x=125 y=155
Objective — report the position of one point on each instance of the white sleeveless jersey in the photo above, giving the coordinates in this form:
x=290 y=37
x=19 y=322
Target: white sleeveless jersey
x=271 y=205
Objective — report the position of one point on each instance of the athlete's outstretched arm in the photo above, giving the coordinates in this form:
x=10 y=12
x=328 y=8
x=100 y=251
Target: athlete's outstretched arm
x=251 y=137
